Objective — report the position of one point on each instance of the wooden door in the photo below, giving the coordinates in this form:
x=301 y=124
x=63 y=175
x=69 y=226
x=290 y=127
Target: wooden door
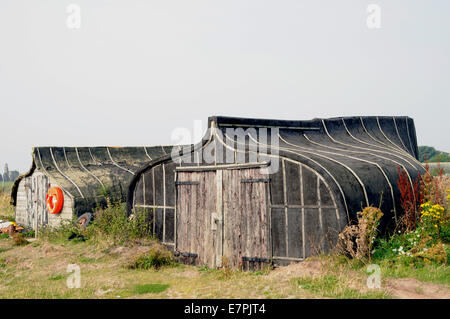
x=198 y=238
x=246 y=219
x=36 y=187
x=223 y=218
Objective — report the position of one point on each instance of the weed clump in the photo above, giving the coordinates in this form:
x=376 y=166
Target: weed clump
x=19 y=240
x=158 y=256
x=356 y=241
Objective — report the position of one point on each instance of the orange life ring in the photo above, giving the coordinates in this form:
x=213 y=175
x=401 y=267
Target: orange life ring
x=55 y=200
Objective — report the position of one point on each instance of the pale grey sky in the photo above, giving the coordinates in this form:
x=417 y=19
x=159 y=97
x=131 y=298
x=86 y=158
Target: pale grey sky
x=136 y=70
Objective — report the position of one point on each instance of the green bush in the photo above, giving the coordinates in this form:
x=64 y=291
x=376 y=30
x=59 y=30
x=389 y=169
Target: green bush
x=111 y=224
x=410 y=249
x=157 y=257
x=114 y=223
x=59 y=233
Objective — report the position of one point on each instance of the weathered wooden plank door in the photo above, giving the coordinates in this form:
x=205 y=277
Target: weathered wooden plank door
x=36 y=187
x=198 y=224
x=246 y=219
x=223 y=218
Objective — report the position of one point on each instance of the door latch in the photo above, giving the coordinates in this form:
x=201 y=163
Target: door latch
x=215 y=219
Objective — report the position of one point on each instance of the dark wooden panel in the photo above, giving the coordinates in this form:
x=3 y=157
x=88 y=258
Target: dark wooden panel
x=159 y=185
x=159 y=223
x=295 y=242
x=169 y=226
x=293 y=183
x=278 y=232
x=313 y=234
x=148 y=182
x=276 y=187
x=309 y=187
x=170 y=187
x=325 y=197
x=138 y=193
x=331 y=228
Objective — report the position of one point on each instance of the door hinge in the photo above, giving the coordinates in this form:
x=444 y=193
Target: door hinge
x=184 y=254
x=256 y=259
x=255 y=180
x=187 y=183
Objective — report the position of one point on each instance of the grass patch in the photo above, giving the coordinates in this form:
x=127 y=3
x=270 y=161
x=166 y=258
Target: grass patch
x=57 y=277
x=428 y=272
x=3 y=249
x=150 y=288
x=394 y=267
x=4 y=236
x=333 y=287
x=87 y=260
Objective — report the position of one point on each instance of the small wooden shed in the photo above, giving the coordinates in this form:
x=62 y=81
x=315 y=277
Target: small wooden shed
x=84 y=174
x=244 y=213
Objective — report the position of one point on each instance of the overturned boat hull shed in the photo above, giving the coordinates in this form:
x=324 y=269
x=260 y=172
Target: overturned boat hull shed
x=87 y=176
x=257 y=191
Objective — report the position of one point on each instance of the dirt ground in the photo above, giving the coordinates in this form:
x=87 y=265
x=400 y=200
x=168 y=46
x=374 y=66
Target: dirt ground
x=402 y=288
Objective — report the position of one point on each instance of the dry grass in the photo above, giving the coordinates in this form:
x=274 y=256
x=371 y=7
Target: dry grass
x=6 y=210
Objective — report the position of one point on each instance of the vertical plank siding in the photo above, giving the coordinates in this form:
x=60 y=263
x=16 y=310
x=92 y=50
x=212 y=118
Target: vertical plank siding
x=255 y=214
x=31 y=208
x=197 y=193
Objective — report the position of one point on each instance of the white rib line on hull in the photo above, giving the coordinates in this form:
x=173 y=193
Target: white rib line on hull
x=92 y=156
x=389 y=159
x=303 y=166
x=67 y=177
x=146 y=153
x=69 y=165
x=401 y=152
x=362 y=160
x=297 y=162
x=409 y=137
x=48 y=173
x=398 y=133
x=125 y=169
x=379 y=151
x=302 y=149
x=83 y=167
x=386 y=137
